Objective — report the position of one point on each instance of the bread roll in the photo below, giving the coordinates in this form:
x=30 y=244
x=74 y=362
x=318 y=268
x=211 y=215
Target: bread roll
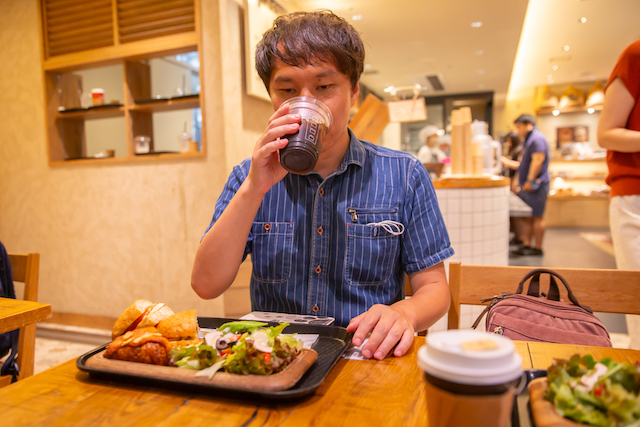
x=180 y=326
x=129 y=316
x=155 y=315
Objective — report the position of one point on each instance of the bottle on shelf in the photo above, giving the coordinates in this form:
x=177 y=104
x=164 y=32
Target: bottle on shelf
x=184 y=138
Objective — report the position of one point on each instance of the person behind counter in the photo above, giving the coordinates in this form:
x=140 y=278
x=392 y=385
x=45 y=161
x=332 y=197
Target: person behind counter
x=430 y=152
x=511 y=161
x=510 y=164
x=619 y=133
x=338 y=241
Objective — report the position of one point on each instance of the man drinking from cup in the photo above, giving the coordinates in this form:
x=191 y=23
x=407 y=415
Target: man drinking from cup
x=338 y=240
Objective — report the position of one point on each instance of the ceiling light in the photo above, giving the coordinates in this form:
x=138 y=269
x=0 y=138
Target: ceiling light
x=591 y=110
x=549 y=77
x=566 y=48
x=555 y=112
x=357 y=17
x=480 y=52
x=367 y=66
x=554 y=67
x=476 y=24
x=481 y=71
x=583 y=20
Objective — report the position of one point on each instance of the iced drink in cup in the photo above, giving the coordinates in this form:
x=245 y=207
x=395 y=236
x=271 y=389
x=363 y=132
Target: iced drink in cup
x=471 y=378
x=301 y=153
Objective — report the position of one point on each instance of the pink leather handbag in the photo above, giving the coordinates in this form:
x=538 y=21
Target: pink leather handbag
x=535 y=317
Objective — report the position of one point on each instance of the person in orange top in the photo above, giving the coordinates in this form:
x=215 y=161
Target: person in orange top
x=619 y=133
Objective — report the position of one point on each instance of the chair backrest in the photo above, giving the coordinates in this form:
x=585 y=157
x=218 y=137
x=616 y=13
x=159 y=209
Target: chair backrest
x=26 y=269
x=607 y=291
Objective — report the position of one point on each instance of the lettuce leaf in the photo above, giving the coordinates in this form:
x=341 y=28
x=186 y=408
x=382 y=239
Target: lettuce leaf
x=612 y=402
x=274 y=331
x=194 y=357
x=291 y=341
x=241 y=326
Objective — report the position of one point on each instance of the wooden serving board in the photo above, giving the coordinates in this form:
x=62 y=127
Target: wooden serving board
x=544 y=413
x=283 y=380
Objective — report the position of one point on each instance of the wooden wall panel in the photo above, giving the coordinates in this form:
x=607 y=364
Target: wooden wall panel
x=76 y=25
x=145 y=19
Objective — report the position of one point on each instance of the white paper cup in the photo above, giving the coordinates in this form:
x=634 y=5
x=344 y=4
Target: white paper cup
x=466 y=384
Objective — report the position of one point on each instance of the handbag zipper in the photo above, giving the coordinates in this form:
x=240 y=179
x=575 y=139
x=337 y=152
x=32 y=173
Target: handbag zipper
x=494 y=300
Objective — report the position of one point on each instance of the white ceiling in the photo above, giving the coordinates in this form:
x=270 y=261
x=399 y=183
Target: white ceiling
x=408 y=39
x=594 y=46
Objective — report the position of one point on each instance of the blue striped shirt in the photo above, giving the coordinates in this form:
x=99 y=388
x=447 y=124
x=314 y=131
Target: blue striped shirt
x=314 y=244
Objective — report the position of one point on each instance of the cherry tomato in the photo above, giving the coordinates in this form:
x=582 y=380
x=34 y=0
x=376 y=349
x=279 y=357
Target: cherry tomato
x=597 y=391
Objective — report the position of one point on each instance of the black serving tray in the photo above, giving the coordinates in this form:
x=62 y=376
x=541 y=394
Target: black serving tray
x=521 y=415
x=331 y=344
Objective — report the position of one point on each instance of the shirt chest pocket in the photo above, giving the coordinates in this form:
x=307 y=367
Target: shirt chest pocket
x=272 y=251
x=372 y=249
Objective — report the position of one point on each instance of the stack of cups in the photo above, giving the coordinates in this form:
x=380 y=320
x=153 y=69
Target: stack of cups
x=471 y=378
x=301 y=153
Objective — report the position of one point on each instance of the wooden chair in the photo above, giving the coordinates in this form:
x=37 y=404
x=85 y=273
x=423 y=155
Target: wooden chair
x=607 y=291
x=25 y=269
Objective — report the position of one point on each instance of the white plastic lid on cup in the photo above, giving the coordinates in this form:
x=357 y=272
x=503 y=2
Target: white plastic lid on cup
x=97 y=91
x=444 y=357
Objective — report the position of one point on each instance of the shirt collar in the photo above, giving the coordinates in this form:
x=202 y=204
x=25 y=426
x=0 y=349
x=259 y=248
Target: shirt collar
x=531 y=132
x=355 y=153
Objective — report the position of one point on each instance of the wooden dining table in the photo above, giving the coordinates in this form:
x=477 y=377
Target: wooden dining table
x=15 y=314
x=390 y=392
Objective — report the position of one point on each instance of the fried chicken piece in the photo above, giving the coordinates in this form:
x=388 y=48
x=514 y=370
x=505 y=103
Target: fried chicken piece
x=150 y=352
x=144 y=345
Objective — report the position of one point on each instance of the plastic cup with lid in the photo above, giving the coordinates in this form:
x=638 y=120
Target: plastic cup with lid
x=301 y=152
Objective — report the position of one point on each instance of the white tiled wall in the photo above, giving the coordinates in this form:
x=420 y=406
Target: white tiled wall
x=477 y=220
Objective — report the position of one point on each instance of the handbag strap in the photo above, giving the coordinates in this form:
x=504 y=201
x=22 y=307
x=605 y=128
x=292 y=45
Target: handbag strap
x=534 y=288
x=554 y=293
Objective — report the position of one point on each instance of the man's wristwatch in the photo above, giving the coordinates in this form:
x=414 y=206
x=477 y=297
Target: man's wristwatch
x=534 y=183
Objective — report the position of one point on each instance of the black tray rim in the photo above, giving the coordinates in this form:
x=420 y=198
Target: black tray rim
x=517 y=421
x=283 y=395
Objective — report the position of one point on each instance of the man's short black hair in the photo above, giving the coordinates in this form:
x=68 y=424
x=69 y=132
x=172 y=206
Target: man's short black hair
x=303 y=38
x=525 y=119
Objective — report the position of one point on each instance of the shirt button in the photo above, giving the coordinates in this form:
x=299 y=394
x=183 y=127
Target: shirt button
x=267 y=227
x=320 y=230
x=321 y=192
x=315 y=308
x=318 y=270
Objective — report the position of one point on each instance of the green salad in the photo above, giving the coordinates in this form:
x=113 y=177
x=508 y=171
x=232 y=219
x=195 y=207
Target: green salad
x=603 y=393
x=242 y=347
